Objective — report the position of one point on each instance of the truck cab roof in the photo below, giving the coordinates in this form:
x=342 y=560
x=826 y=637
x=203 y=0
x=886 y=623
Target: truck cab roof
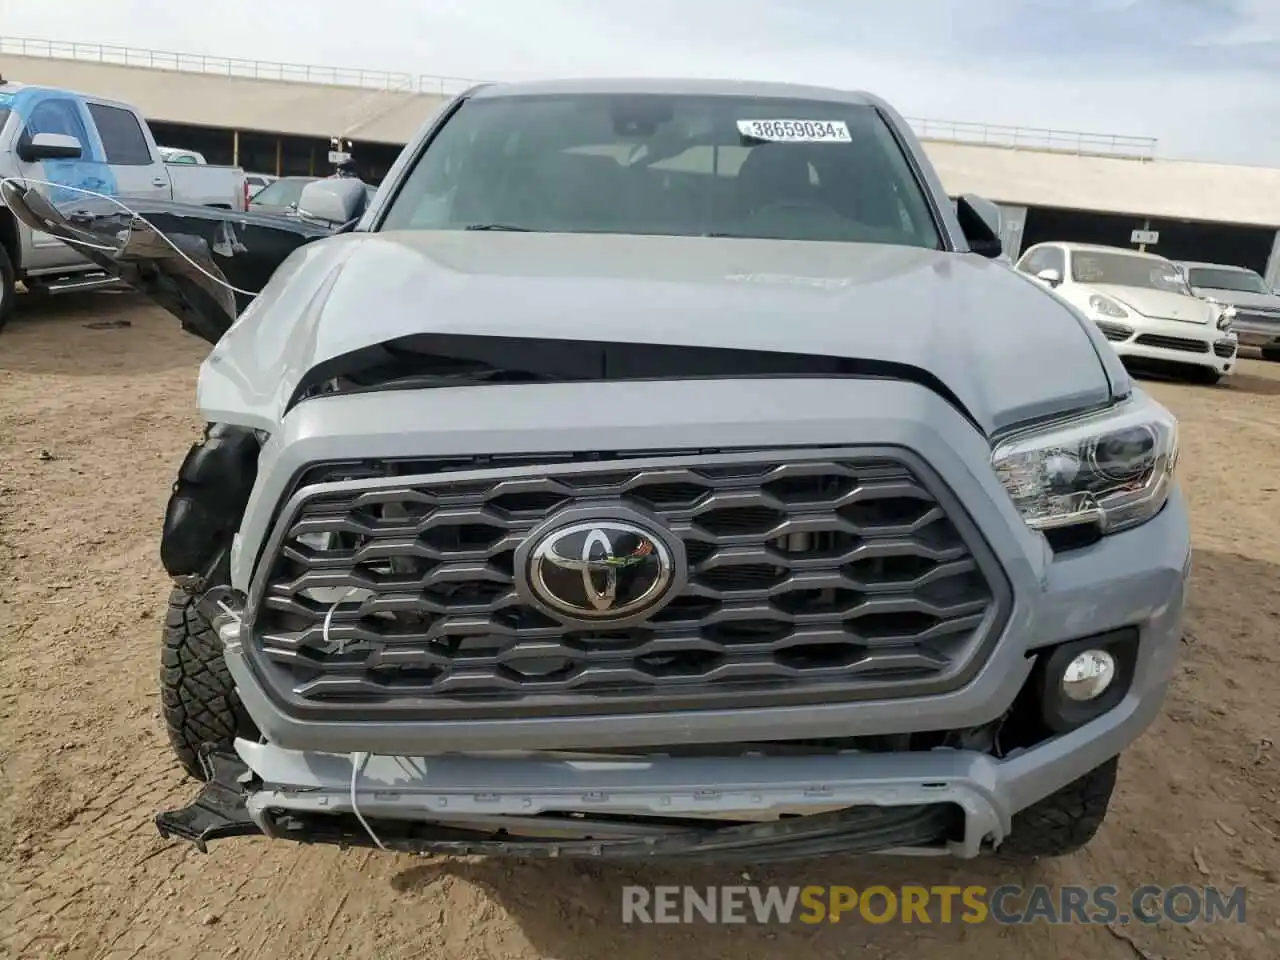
x=705 y=87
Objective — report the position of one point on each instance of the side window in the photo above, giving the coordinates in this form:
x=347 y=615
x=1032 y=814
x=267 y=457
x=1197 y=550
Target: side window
x=57 y=116
x=1055 y=259
x=1032 y=262
x=122 y=136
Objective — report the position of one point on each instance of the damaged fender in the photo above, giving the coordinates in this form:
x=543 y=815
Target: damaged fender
x=202 y=264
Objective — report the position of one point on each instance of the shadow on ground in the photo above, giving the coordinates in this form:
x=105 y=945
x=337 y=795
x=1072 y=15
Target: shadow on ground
x=98 y=333
x=1249 y=383
x=570 y=910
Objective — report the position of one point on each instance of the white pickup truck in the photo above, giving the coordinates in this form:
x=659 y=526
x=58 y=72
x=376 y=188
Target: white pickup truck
x=78 y=142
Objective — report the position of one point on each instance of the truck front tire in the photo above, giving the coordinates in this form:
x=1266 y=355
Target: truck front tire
x=1062 y=822
x=199 y=700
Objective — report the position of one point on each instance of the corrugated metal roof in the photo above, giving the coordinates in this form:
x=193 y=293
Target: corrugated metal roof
x=1175 y=189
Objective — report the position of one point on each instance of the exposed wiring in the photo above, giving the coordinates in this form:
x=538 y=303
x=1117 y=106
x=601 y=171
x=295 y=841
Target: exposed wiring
x=358 y=761
x=328 y=620
x=136 y=216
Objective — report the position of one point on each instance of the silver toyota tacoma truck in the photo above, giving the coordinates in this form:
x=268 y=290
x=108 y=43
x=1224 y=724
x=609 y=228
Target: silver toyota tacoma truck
x=655 y=469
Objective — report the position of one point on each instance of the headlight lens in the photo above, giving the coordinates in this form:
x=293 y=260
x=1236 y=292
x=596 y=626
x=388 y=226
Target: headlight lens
x=1107 y=307
x=1225 y=317
x=1114 y=468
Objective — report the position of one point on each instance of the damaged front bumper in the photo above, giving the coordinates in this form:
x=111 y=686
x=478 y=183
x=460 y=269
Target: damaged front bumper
x=939 y=802
x=678 y=808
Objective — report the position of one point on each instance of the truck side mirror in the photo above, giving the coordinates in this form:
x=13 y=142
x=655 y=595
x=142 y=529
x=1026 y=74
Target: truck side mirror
x=336 y=201
x=49 y=146
x=981 y=221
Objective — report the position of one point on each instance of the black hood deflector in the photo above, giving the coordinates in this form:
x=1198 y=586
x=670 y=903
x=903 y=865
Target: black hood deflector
x=428 y=360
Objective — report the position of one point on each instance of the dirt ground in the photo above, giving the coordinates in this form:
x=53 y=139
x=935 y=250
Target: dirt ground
x=93 y=422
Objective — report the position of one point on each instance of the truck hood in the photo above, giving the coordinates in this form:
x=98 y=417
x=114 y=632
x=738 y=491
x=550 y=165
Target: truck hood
x=292 y=308
x=1241 y=299
x=1004 y=350
x=1160 y=304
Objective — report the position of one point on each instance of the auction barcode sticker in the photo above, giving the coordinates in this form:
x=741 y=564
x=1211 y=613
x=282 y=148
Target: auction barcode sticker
x=796 y=131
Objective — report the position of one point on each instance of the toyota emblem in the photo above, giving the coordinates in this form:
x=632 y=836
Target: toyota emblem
x=600 y=569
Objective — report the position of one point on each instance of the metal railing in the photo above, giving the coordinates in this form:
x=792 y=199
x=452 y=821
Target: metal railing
x=1036 y=138
x=445 y=86
x=988 y=134
x=217 y=66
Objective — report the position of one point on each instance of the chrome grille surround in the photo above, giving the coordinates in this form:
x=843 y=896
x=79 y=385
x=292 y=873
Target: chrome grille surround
x=814 y=575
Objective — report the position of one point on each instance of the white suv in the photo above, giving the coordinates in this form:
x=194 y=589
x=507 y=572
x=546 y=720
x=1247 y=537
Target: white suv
x=1141 y=303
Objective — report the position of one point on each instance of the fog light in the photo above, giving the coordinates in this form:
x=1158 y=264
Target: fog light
x=1088 y=675
x=1082 y=679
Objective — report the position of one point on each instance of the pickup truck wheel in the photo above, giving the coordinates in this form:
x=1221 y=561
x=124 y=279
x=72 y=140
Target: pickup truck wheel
x=8 y=287
x=198 y=698
x=1062 y=822
x=1271 y=353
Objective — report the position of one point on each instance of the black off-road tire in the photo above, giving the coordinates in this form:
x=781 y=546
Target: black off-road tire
x=8 y=287
x=1062 y=822
x=1270 y=353
x=198 y=698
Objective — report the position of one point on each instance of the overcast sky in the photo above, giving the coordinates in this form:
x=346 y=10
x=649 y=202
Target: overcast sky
x=1201 y=75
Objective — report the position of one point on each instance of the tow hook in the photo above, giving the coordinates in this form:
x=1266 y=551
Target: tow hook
x=224 y=608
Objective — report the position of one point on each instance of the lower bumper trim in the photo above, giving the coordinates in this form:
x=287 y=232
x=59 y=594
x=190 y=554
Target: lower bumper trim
x=857 y=830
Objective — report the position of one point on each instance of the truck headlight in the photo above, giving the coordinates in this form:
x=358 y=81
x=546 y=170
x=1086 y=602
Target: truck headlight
x=1107 y=307
x=1113 y=468
x=1225 y=317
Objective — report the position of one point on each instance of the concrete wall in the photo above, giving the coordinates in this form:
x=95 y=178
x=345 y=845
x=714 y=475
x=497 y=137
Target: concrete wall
x=1014 y=220
x=1018 y=178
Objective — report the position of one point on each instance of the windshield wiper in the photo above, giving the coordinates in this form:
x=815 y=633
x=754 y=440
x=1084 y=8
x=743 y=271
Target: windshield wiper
x=504 y=227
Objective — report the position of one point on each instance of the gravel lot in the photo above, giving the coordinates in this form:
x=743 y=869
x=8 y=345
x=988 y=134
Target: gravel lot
x=93 y=422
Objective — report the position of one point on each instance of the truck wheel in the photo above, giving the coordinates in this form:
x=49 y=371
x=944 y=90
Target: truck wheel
x=8 y=287
x=1062 y=822
x=198 y=698
x=1271 y=353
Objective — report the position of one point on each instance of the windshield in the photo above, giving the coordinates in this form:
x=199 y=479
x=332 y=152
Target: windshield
x=1243 y=281
x=282 y=193
x=668 y=165
x=1088 y=266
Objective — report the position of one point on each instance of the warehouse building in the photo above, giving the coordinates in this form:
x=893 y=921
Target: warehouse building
x=279 y=118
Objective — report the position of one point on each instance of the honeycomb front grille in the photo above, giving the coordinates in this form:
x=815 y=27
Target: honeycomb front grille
x=810 y=579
